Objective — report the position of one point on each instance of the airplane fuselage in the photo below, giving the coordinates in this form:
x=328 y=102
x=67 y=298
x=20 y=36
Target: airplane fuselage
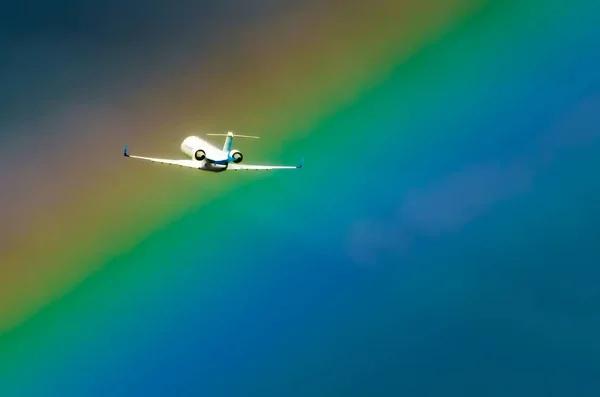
x=208 y=156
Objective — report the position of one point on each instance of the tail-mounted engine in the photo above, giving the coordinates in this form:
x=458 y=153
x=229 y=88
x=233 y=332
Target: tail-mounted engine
x=194 y=148
x=235 y=156
x=200 y=155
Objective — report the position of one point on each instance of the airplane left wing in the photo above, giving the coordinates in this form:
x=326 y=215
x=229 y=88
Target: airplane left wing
x=243 y=167
x=181 y=163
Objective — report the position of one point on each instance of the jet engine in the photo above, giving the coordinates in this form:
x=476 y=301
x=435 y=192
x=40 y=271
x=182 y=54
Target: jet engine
x=236 y=156
x=195 y=148
x=200 y=155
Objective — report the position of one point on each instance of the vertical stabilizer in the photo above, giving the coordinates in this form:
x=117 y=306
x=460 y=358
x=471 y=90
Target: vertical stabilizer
x=228 y=142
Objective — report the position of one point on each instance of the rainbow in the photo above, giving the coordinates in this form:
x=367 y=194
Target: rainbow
x=114 y=272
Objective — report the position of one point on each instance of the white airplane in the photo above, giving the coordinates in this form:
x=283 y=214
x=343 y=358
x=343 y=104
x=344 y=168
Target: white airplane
x=207 y=157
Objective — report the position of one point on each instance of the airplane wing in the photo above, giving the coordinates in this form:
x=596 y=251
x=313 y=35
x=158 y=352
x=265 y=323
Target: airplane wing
x=181 y=163
x=243 y=167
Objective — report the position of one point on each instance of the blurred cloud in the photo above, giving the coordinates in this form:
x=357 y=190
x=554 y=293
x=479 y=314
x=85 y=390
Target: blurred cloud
x=453 y=201
x=368 y=239
x=444 y=206
x=577 y=129
x=457 y=197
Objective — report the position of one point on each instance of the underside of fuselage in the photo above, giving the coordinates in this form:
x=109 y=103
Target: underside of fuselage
x=212 y=166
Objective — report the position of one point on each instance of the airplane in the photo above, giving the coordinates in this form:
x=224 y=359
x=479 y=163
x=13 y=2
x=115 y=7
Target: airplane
x=207 y=157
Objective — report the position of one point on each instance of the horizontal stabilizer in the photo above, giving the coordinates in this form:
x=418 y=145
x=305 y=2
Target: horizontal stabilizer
x=231 y=134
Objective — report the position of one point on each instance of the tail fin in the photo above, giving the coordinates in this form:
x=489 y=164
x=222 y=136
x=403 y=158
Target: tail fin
x=229 y=139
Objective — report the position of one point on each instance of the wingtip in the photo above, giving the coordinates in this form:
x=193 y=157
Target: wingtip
x=125 y=151
x=301 y=163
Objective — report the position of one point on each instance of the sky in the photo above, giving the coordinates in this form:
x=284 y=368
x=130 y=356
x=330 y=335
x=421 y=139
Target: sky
x=441 y=238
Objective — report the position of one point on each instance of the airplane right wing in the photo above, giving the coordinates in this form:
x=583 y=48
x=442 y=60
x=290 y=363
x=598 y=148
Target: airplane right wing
x=181 y=163
x=242 y=167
